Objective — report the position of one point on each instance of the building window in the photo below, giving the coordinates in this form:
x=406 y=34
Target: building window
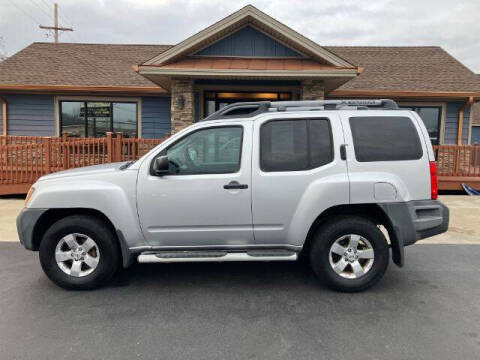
x=215 y=100
x=431 y=116
x=96 y=118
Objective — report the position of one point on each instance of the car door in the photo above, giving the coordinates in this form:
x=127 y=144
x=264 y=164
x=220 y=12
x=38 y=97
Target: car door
x=297 y=172
x=205 y=199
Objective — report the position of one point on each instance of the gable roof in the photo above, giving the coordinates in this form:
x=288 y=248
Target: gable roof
x=47 y=66
x=406 y=68
x=94 y=67
x=249 y=15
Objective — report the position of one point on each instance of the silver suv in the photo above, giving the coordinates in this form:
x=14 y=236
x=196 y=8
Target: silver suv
x=337 y=181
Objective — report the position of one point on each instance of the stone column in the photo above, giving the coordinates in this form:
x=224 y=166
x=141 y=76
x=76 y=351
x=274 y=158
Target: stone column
x=182 y=104
x=313 y=90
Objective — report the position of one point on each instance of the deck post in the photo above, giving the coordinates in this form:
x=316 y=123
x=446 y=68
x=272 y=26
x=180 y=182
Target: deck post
x=110 y=153
x=118 y=148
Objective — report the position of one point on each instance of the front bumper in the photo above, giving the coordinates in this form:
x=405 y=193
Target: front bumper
x=26 y=221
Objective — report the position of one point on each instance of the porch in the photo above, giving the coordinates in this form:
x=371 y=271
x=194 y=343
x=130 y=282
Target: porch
x=23 y=159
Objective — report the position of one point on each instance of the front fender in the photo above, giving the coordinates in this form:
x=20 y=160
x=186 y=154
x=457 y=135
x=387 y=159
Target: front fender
x=116 y=200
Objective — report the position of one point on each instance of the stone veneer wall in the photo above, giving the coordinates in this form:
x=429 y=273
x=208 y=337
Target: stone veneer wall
x=182 y=117
x=312 y=90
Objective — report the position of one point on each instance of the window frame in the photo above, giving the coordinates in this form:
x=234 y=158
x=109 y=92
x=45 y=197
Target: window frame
x=86 y=99
x=405 y=105
x=307 y=119
x=164 y=151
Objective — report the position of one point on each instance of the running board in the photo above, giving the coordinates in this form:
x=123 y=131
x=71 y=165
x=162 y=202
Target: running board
x=216 y=256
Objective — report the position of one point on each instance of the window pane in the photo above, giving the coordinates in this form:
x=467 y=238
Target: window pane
x=209 y=151
x=321 y=150
x=125 y=119
x=98 y=119
x=431 y=119
x=210 y=108
x=73 y=118
x=284 y=145
x=385 y=138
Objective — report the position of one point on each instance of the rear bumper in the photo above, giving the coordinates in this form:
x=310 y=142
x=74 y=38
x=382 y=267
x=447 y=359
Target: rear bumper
x=412 y=221
x=430 y=218
x=26 y=221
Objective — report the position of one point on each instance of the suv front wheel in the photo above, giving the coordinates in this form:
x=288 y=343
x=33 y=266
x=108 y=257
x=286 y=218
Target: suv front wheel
x=349 y=254
x=79 y=252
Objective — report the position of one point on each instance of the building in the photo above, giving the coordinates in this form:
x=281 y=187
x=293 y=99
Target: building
x=150 y=90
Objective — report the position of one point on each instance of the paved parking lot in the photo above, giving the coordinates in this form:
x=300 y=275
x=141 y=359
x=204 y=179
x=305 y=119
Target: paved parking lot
x=428 y=310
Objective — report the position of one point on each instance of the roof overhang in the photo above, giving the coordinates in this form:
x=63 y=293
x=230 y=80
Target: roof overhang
x=142 y=90
x=331 y=77
x=249 y=15
x=400 y=94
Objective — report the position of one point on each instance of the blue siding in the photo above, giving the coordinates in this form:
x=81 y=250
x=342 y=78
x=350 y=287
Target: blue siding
x=31 y=115
x=249 y=42
x=155 y=117
x=451 y=123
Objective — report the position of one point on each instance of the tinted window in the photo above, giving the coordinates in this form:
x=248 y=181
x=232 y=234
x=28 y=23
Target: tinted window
x=208 y=151
x=292 y=145
x=385 y=138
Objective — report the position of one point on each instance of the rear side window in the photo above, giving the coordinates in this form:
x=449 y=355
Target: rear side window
x=385 y=138
x=293 y=145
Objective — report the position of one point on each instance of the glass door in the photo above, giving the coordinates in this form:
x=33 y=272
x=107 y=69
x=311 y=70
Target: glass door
x=215 y=100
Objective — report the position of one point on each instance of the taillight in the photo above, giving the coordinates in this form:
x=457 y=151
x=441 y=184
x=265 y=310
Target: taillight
x=434 y=180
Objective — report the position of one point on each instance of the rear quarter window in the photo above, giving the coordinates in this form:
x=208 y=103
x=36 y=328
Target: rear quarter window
x=385 y=138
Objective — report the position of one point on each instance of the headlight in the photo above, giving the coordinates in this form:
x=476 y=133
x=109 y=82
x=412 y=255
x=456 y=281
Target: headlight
x=29 y=195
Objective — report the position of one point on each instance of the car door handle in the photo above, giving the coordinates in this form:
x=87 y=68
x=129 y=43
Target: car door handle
x=235 y=185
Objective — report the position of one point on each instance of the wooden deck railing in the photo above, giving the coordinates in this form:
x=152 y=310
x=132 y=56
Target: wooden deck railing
x=23 y=159
x=458 y=160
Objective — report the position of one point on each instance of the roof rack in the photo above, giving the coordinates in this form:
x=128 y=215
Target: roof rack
x=250 y=109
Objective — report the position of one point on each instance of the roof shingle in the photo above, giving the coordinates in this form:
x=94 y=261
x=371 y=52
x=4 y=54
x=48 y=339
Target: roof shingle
x=419 y=68
x=385 y=68
x=78 y=65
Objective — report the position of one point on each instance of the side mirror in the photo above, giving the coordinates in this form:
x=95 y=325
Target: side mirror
x=160 y=166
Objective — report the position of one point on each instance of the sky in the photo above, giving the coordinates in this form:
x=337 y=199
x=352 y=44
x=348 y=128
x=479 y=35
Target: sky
x=453 y=25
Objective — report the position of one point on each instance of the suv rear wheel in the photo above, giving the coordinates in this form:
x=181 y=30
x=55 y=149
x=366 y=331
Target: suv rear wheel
x=79 y=252
x=349 y=254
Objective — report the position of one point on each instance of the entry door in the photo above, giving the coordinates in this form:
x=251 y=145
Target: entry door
x=206 y=197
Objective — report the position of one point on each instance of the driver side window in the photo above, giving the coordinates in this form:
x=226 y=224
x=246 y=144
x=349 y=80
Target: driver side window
x=207 y=151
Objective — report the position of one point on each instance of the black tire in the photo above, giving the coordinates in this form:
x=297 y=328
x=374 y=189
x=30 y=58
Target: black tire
x=327 y=234
x=97 y=230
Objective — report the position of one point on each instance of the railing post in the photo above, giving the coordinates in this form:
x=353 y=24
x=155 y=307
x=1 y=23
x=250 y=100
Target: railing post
x=118 y=149
x=64 y=152
x=110 y=154
x=47 y=149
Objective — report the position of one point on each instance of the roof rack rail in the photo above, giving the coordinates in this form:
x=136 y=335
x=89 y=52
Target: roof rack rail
x=250 y=109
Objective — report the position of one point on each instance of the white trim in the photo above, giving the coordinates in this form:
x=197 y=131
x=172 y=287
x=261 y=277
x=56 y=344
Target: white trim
x=246 y=12
x=137 y=100
x=443 y=115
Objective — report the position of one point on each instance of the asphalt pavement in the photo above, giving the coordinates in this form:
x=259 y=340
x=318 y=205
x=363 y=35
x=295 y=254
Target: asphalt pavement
x=430 y=309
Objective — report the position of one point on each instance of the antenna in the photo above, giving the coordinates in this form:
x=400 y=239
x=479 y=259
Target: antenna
x=56 y=28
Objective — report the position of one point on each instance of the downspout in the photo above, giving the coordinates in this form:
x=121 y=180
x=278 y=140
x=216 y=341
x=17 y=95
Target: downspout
x=4 y=115
x=469 y=102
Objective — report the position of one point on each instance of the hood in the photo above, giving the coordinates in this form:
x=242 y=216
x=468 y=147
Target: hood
x=87 y=170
